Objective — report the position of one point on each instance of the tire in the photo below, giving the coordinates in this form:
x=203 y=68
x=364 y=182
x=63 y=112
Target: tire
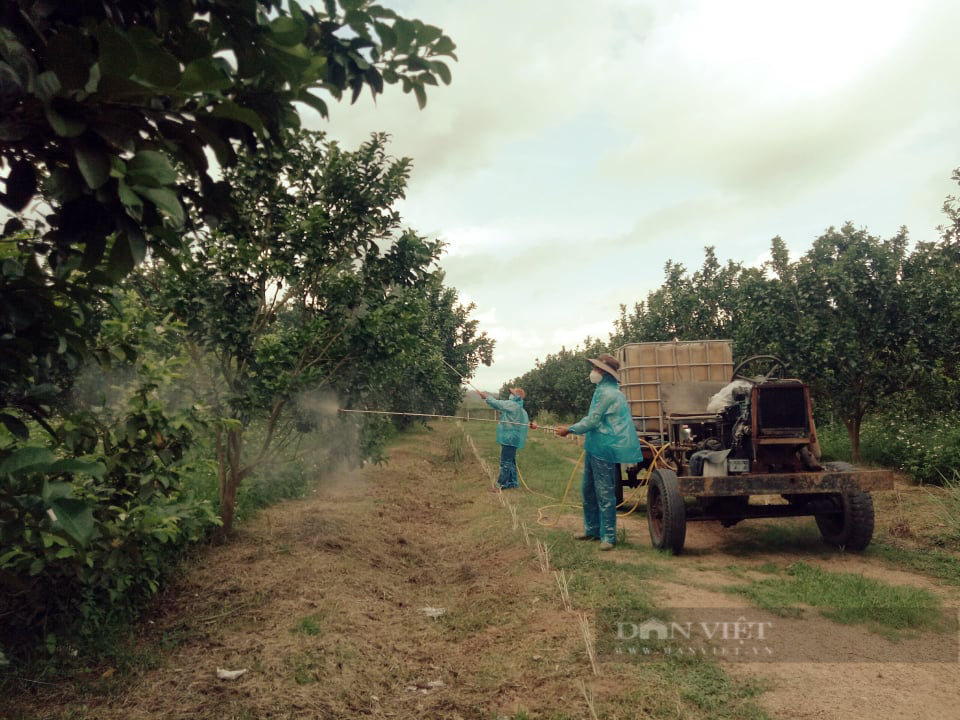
x=851 y=526
x=666 y=514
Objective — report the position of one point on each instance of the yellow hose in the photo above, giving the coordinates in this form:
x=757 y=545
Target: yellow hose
x=563 y=501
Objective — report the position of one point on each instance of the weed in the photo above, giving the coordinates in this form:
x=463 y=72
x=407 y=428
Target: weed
x=691 y=686
x=937 y=564
x=306 y=669
x=949 y=503
x=309 y=625
x=846 y=598
x=455 y=449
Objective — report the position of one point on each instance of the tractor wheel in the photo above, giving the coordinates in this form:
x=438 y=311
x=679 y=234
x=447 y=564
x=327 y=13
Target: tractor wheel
x=666 y=514
x=851 y=526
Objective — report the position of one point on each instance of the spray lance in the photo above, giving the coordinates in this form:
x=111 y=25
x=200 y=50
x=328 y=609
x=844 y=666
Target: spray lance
x=532 y=425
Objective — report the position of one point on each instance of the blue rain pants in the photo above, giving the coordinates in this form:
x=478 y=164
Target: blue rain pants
x=599 y=498
x=508 y=467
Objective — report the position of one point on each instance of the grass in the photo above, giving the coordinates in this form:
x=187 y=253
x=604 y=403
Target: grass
x=949 y=505
x=310 y=625
x=692 y=686
x=845 y=598
x=938 y=564
x=674 y=688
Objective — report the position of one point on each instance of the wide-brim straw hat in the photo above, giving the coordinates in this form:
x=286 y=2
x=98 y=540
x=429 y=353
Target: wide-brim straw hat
x=608 y=364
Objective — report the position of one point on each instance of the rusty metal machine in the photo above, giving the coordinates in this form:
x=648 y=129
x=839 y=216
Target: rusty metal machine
x=730 y=443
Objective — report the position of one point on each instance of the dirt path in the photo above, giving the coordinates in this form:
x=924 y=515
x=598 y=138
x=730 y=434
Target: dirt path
x=910 y=687
x=328 y=604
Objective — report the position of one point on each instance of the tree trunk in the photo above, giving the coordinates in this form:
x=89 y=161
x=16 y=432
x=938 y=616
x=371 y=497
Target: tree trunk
x=228 y=460
x=853 y=430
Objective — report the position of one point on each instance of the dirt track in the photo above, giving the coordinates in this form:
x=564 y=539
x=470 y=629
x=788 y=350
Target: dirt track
x=326 y=604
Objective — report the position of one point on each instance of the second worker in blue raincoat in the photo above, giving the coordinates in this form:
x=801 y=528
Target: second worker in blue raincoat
x=511 y=434
x=611 y=438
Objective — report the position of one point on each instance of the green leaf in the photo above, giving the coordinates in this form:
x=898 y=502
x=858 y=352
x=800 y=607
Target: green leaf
x=426 y=34
x=155 y=65
x=388 y=38
x=444 y=46
x=442 y=70
x=313 y=101
x=166 y=201
x=127 y=252
x=231 y=111
x=131 y=200
x=68 y=55
x=26 y=459
x=421 y=94
x=118 y=56
x=47 y=86
x=79 y=467
x=75 y=518
x=53 y=491
x=405 y=32
x=94 y=164
x=204 y=75
x=288 y=31
x=17 y=428
x=149 y=168
x=63 y=126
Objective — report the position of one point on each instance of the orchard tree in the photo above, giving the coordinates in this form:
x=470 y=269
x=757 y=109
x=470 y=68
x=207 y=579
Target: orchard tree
x=559 y=383
x=850 y=289
x=933 y=277
x=684 y=307
x=313 y=286
x=109 y=110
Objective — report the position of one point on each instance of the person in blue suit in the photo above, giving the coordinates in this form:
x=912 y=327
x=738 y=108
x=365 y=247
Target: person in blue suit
x=610 y=438
x=511 y=434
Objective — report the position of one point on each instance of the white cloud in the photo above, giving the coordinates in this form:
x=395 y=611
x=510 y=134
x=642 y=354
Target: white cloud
x=581 y=146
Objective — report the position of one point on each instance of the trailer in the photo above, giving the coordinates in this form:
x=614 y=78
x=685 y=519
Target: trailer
x=728 y=443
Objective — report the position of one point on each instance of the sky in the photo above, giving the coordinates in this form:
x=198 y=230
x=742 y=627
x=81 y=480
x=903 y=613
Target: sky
x=582 y=145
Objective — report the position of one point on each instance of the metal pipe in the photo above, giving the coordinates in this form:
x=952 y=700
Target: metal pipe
x=450 y=417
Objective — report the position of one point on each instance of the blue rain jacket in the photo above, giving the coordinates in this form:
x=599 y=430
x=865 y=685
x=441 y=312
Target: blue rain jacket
x=511 y=411
x=608 y=426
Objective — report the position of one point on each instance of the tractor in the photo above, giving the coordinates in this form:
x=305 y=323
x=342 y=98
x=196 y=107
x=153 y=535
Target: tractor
x=733 y=449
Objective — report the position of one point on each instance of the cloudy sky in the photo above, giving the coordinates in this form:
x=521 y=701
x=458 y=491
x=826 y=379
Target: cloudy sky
x=582 y=145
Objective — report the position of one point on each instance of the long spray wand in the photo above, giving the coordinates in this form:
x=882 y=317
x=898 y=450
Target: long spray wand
x=531 y=425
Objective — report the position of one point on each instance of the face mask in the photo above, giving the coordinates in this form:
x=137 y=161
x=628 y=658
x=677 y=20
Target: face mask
x=595 y=376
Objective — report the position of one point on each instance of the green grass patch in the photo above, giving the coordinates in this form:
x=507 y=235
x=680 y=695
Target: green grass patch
x=310 y=625
x=937 y=564
x=770 y=538
x=846 y=598
x=694 y=687
x=949 y=504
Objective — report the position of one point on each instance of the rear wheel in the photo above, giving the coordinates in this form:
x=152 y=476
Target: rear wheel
x=850 y=526
x=666 y=514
